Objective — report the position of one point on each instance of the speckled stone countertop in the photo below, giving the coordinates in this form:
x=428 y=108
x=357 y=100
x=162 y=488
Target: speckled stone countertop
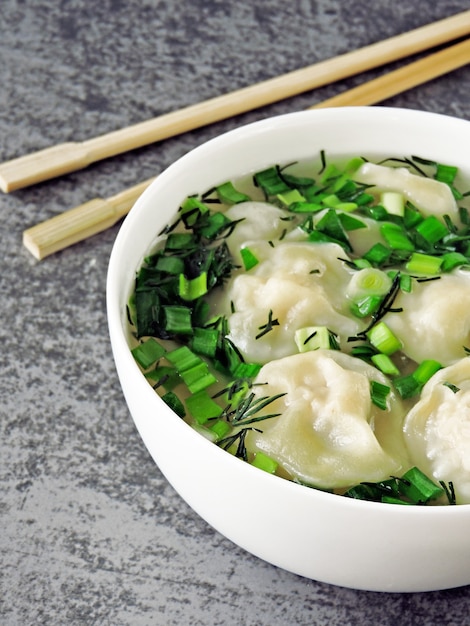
x=91 y=532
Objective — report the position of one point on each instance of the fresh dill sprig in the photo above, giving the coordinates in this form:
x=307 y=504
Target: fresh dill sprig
x=266 y=328
x=241 y=416
x=245 y=412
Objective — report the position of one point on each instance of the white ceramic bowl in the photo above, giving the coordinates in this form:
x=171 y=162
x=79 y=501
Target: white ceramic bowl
x=357 y=544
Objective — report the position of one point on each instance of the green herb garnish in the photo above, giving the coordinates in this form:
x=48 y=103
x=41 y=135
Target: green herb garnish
x=268 y=327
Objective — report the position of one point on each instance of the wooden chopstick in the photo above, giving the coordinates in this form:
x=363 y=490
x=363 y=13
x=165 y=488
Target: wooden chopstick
x=96 y=215
x=68 y=157
x=404 y=78
x=81 y=222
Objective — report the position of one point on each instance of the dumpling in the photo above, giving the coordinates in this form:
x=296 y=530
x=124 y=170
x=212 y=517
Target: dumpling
x=299 y=285
x=437 y=428
x=329 y=433
x=435 y=321
x=430 y=196
x=260 y=221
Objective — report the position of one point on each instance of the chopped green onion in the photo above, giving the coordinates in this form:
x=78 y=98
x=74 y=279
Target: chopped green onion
x=249 y=259
x=411 y=217
x=148 y=352
x=385 y=364
x=229 y=195
x=425 y=370
x=179 y=241
x=451 y=260
x=318 y=237
x=396 y=237
x=363 y=351
x=172 y=400
x=393 y=500
x=312 y=338
x=383 y=339
x=202 y=407
x=379 y=393
x=298 y=181
x=418 y=487
x=177 y=320
x=432 y=229
x=192 y=203
x=347 y=207
x=191 y=210
x=420 y=263
x=192 y=288
x=331 y=200
x=407 y=386
x=214 y=224
x=147 y=308
x=350 y=223
x=368 y=282
x=411 y=384
x=405 y=283
x=305 y=207
x=205 y=340
x=362 y=491
x=290 y=196
x=265 y=463
x=183 y=358
x=170 y=264
x=366 y=306
x=271 y=181
x=200 y=312
x=363 y=199
x=344 y=186
x=446 y=173
x=378 y=254
x=362 y=263
x=221 y=429
x=330 y=171
x=378 y=213
x=353 y=164
x=198 y=377
x=413 y=487
x=330 y=225
x=164 y=376
x=231 y=356
x=246 y=370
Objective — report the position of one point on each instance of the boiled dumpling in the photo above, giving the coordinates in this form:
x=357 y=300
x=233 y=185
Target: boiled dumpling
x=259 y=221
x=437 y=429
x=430 y=196
x=299 y=285
x=329 y=433
x=435 y=320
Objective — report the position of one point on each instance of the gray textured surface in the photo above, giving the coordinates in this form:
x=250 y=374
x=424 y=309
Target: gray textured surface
x=91 y=533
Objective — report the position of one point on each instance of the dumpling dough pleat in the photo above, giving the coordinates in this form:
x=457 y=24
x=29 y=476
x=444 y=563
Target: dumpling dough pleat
x=437 y=429
x=329 y=433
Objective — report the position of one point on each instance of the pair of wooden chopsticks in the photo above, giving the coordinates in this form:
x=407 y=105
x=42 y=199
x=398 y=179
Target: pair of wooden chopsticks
x=98 y=214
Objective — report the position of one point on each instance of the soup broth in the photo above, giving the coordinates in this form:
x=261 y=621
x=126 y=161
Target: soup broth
x=312 y=319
